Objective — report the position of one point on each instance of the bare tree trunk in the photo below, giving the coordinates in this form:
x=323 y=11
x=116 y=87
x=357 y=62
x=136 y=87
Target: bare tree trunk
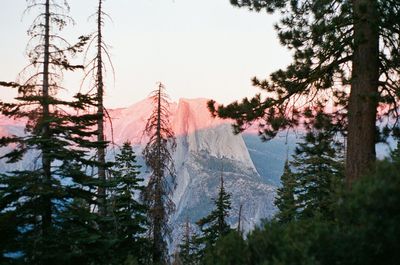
x=158 y=206
x=239 y=228
x=364 y=91
x=157 y=155
x=46 y=161
x=100 y=114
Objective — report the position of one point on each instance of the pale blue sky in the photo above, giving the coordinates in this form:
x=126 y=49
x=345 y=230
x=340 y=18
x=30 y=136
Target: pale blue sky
x=196 y=48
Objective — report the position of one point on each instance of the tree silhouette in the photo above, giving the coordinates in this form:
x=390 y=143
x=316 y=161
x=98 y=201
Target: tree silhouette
x=95 y=71
x=128 y=212
x=42 y=198
x=285 y=197
x=158 y=157
x=335 y=45
x=214 y=225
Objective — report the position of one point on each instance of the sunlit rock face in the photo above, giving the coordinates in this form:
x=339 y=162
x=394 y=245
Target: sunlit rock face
x=206 y=149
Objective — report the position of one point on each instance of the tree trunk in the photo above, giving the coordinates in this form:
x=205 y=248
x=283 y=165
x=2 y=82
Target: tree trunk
x=158 y=204
x=364 y=91
x=100 y=114
x=158 y=225
x=46 y=161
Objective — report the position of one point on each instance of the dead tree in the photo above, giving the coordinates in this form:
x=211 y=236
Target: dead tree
x=158 y=156
x=95 y=72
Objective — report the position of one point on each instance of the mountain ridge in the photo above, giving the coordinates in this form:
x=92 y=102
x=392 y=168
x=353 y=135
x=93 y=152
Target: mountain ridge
x=206 y=148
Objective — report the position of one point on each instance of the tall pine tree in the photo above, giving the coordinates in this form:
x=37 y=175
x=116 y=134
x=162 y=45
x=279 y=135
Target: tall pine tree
x=335 y=44
x=158 y=157
x=189 y=247
x=318 y=169
x=38 y=198
x=129 y=213
x=95 y=73
x=215 y=225
x=285 y=197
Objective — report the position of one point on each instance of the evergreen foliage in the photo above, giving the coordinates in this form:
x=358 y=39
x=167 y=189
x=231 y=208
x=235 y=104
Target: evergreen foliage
x=370 y=216
x=95 y=71
x=318 y=168
x=189 y=247
x=285 y=196
x=158 y=157
x=296 y=242
x=230 y=249
x=214 y=225
x=129 y=214
x=395 y=154
x=364 y=230
x=334 y=44
x=41 y=198
x=55 y=212
x=317 y=164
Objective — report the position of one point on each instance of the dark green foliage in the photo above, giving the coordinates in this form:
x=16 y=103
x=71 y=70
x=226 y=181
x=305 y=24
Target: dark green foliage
x=215 y=225
x=129 y=214
x=318 y=166
x=229 y=249
x=365 y=230
x=395 y=154
x=45 y=200
x=370 y=216
x=335 y=44
x=189 y=248
x=80 y=241
x=289 y=243
x=310 y=180
x=285 y=197
x=320 y=34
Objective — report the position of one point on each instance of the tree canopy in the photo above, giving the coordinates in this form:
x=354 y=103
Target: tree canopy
x=344 y=52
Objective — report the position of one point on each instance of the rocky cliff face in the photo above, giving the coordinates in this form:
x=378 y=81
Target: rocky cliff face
x=206 y=148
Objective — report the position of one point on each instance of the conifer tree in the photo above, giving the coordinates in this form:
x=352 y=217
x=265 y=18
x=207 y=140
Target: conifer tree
x=43 y=199
x=318 y=169
x=158 y=157
x=285 y=200
x=95 y=76
x=335 y=44
x=100 y=108
x=189 y=247
x=215 y=225
x=129 y=213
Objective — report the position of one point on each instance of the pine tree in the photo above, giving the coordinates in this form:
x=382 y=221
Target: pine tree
x=334 y=44
x=95 y=72
x=189 y=247
x=129 y=213
x=215 y=225
x=231 y=249
x=56 y=192
x=318 y=167
x=285 y=200
x=158 y=157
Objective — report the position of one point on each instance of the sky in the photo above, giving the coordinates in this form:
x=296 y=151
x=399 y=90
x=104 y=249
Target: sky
x=198 y=49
